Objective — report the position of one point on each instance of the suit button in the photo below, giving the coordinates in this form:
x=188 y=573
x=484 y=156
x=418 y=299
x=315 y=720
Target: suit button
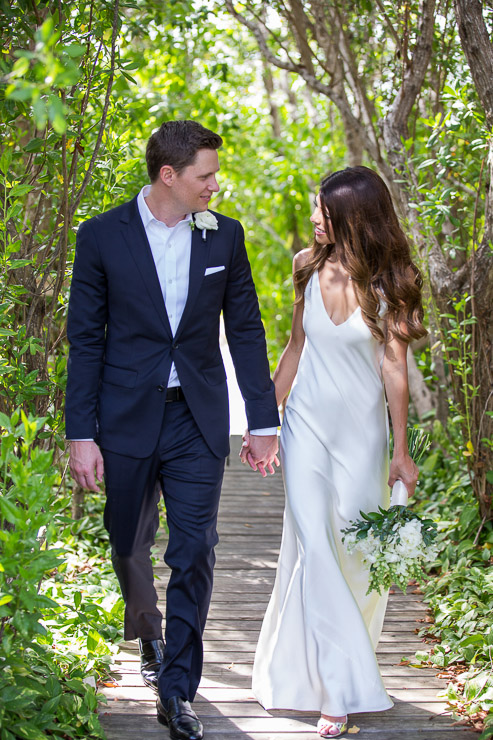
x=175 y=346
x=160 y=388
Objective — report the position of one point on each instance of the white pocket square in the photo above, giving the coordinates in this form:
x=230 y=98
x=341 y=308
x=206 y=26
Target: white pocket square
x=212 y=270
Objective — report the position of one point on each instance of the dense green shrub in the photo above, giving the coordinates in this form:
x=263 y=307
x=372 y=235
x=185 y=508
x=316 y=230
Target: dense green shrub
x=59 y=617
x=460 y=591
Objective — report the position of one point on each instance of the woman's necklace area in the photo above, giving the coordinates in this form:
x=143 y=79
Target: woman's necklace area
x=342 y=270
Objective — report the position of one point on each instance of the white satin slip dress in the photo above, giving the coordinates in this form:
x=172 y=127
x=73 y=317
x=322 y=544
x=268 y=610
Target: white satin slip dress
x=320 y=631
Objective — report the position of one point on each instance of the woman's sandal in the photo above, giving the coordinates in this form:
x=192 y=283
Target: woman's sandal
x=325 y=727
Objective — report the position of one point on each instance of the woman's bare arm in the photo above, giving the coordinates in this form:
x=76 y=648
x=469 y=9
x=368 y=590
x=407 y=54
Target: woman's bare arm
x=394 y=372
x=288 y=364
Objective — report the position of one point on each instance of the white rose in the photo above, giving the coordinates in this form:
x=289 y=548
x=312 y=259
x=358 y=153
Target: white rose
x=205 y=220
x=410 y=534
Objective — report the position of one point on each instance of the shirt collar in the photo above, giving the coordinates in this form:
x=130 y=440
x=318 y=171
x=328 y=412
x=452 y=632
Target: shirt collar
x=146 y=214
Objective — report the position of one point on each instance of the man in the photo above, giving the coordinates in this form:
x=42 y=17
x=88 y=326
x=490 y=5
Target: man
x=147 y=402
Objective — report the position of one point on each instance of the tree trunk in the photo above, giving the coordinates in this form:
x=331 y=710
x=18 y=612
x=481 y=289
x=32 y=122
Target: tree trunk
x=77 y=503
x=478 y=281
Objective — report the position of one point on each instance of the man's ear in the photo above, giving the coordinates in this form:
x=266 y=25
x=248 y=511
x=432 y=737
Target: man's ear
x=167 y=175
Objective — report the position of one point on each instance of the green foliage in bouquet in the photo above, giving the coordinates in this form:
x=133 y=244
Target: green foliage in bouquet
x=418 y=443
x=394 y=543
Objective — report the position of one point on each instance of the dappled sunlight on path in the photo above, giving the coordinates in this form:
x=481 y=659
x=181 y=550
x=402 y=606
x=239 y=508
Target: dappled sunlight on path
x=250 y=528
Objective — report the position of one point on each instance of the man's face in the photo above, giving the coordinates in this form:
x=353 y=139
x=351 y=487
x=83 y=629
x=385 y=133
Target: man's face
x=193 y=187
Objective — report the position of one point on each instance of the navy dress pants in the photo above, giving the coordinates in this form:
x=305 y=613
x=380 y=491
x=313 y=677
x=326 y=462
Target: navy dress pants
x=190 y=477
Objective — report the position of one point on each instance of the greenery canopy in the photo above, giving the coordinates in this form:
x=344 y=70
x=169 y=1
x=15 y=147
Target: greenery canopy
x=296 y=88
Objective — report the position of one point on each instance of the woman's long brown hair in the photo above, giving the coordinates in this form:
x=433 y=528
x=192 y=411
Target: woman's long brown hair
x=372 y=248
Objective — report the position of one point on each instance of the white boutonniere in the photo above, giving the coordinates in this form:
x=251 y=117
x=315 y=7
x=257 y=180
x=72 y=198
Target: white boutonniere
x=204 y=220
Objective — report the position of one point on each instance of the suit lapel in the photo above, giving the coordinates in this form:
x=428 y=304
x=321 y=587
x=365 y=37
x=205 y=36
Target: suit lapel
x=199 y=255
x=138 y=245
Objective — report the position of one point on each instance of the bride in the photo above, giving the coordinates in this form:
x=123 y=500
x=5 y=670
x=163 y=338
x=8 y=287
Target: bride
x=358 y=304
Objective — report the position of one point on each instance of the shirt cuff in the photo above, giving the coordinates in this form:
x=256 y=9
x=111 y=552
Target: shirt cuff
x=264 y=432
x=80 y=440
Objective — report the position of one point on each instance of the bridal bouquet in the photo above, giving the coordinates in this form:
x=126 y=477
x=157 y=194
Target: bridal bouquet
x=394 y=543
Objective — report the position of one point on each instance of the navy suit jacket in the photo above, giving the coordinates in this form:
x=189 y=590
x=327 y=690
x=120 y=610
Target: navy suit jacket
x=121 y=345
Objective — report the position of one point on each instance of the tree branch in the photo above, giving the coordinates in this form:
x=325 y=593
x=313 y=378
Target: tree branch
x=390 y=27
x=299 y=27
x=340 y=101
x=109 y=86
x=396 y=122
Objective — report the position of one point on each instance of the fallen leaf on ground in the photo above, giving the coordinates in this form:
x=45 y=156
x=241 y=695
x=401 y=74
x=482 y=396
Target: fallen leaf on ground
x=353 y=730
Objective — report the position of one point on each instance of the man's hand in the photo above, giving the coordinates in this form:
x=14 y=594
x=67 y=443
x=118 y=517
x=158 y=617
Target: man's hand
x=85 y=460
x=260 y=452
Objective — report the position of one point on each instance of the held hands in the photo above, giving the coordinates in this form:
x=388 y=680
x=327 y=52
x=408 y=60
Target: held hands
x=403 y=468
x=85 y=461
x=260 y=452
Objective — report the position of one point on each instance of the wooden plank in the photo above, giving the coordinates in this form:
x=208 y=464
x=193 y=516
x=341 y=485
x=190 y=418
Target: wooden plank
x=268 y=727
x=387 y=658
x=244 y=668
x=435 y=712
x=240 y=676
x=214 y=691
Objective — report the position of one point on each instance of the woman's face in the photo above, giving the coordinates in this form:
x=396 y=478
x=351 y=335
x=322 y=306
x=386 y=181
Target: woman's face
x=317 y=219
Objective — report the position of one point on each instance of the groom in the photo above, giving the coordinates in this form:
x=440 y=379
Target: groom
x=147 y=400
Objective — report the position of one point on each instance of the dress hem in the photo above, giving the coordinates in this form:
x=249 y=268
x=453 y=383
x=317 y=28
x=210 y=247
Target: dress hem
x=332 y=713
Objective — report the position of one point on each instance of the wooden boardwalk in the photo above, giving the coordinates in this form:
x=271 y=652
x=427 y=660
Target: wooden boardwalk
x=250 y=527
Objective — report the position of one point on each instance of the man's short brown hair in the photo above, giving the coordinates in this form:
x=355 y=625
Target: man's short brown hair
x=176 y=144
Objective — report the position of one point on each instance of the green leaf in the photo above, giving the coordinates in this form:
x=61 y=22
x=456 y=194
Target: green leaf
x=430 y=463
x=129 y=77
x=93 y=640
x=28 y=731
x=18 y=695
x=35 y=145
x=19 y=190
x=74 y=50
x=5 y=421
x=6 y=161
x=14 y=264
x=9 y=510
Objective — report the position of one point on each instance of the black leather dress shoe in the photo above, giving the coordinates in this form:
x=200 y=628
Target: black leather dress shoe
x=151 y=657
x=179 y=716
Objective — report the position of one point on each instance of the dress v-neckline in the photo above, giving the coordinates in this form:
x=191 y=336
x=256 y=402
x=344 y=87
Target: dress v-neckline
x=325 y=309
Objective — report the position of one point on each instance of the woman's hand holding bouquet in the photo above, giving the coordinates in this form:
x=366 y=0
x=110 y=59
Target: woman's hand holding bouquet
x=394 y=543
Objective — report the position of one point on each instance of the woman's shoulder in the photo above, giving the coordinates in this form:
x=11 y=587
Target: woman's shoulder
x=301 y=258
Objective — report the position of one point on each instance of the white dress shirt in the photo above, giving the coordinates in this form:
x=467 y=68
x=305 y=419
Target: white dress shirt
x=171 y=247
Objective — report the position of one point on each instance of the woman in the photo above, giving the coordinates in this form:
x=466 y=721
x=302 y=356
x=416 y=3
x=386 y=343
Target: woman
x=358 y=304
